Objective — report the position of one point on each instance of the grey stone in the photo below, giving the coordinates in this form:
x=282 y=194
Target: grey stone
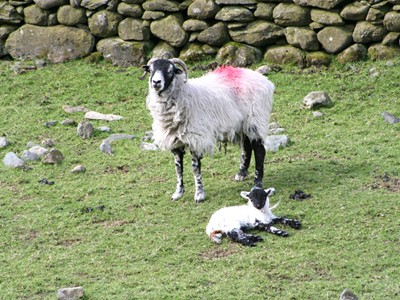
x=353 y=53
x=85 y=130
x=93 y=115
x=391 y=39
x=216 y=35
x=195 y=25
x=38 y=150
x=161 y=5
x=51 y=123
x=72 y=293
x=258 y=33
x=318 y=59
x=275 y=142
x=317 y=114
x=236 y=54
x=236 y=2
x=392 y=21
x=78 y=169
x=366 y=32
x=192 y=52
x=104 y=129
x=54 y=156
x=348 y=295
x=148 y=146
x=104 y=23
x=170 y=30
x=334 y=39
x=13 y=161
x=317 y=99
x=5 y=30
x=388 y=117
x=70 y=16
x=3 y=142
x=28 y=155
x=105 y=145
x=285 y=55
x=326 y=4
x=355 y=11
x=123 y=53
x=378 y=51
x=303 y=38
x=68 y=122
x=35 y=15
x=56 y=43
x=133 y=29
x=234 y=13
x=203 y=9
x=153 y=15
x=326 y=17
x=48 y=142
x=274 y=128
x=163 y=47
x=130 y=10
x=73 y=109
x=264 y=11
x=289 y=14
x=47 y=4
x=8 y=14
x=93 y=4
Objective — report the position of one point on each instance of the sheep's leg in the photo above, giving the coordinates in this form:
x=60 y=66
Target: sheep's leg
x=296 y=224
x=271 y=229
x=178 y=156
x=244 y=160
x=200 y=193
x=245 y=239
x=259 y=155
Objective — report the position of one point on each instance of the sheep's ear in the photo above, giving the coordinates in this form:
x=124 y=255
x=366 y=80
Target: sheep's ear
x=270 y=191
x=146 y=68
x=245 y=195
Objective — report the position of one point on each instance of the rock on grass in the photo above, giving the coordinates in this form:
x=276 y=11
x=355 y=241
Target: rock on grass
x=13 y=161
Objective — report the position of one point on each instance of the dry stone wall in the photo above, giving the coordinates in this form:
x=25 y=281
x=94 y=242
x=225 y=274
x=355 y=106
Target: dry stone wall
x=239 y=32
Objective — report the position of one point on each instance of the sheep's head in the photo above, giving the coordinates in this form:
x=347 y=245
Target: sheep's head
x=163 y=72
x=258 y=196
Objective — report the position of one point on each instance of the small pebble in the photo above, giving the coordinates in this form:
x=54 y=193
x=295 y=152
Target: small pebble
x=54 y=156
x=51 y=123
x=317 y=114
x=104 y=129
x=78 y=169
x=72 y=293
x=68 y=122
x=48 y=142
x=3 y=142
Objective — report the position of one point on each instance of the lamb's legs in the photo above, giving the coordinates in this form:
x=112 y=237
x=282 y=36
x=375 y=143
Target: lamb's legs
x=244 y=160
x=282 y=220
x=245 y=239
x=259 y=155
x=200 y=193
x=296 y=224
x=178 y=157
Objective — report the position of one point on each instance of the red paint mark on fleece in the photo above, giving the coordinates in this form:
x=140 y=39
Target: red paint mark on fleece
x=231 y=75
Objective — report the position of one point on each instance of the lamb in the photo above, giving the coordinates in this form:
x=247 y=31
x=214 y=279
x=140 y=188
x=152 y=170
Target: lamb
x=227 y=104
x=256 y=214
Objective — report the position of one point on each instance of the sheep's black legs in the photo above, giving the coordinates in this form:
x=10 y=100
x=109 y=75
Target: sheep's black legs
x=245 y=239
x=282 y=220
x=285 y=221
x=244 y=160
x=259 y=155
x=200 y=193
x=178 y=156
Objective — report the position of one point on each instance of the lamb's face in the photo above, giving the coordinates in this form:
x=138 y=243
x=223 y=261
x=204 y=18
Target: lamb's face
x=162 y=74
x=258 y=197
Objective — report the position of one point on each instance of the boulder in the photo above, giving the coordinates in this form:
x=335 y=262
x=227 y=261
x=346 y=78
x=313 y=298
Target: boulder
x=317 y=99
x=70 y=16
x=133 y=29
x=392 y=21
x=285 y=55
x=170 y=29
x=56 y=43
x=275 y=142
x=195 y=25
x=353 y=53
x=258 y=33
x=326 y=17
x=48 y=4
x=264 y=11
x=130 y=10
x=318 y=59
x=334 y=39
x=36 y=16
x=216 y=35
x=239 y=55
x=325 y=4
x=161 y=5
x=104 y=23
x=203 y=9
x=366 y=32
x=355 y=11
x=54 y=156
x=303 y=38
x=289 y=14
x=378 y=51
x=13 y=161
x=123 y=53
x=234 y=13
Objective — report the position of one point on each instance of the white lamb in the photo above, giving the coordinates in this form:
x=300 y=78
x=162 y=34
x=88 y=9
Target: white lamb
x=256 y=214
x=227 y=104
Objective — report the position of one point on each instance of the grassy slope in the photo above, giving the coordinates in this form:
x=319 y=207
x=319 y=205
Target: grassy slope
x=143 y=246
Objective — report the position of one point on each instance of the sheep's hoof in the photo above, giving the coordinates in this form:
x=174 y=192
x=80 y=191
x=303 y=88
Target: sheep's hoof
x=178 y=194
x=199 y=196
x=242 y=175
x=294 y=224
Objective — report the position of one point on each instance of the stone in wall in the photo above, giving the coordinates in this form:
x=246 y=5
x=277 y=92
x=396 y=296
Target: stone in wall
x=163 y=47
x=391 y=39
x=8 y=14
x=70 y=16
x=288 y=14
x=130 y=10
x=239 y=55
x=234 y=13
x=318 y=59
x=170 y=29
x=56 y=43
x=303 y=38
x=216 y=35
x=203 y=9
x=355 y=11
x=195 y=25
x=285 y=54
x=379 y=51
x=161 y=5
x=366 y=32
x=326 y=4
x=123 y=53
x=36 y=16
x=236 y=2
x=264 y=11
x=193 y=52
x=153 y=15
x=326 y=17
x=334 y=39
x=392 y=21
x=258 y=33
x=104 y=23
x=48 y=4
x=133 y=29
x=353 y=53
x=93 y=4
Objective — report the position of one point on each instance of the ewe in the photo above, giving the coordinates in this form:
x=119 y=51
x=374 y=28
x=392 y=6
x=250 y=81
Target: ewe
x=227 y=104
x=256 y=214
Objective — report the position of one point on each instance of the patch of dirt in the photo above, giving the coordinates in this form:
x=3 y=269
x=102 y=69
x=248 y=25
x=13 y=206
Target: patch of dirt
x=387 y=182
x=217 y=252
x=28 y=236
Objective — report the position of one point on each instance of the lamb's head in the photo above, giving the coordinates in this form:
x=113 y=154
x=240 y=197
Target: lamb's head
x=164 y=73
x=258 y=196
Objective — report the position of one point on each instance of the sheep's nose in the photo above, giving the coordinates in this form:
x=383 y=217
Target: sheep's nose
x=156 y=83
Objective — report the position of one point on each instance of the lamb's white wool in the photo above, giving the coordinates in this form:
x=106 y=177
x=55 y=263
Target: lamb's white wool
x=257 y=213
x=227 y=104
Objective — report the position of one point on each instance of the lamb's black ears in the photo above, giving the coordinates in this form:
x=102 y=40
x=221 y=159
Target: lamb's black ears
x=245 y=195
x=146 y=70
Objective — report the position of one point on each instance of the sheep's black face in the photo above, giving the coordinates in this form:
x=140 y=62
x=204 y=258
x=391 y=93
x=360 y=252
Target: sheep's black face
x=162 y=74
x=258 y=197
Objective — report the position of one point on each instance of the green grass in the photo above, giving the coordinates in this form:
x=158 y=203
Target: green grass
x=114 y=230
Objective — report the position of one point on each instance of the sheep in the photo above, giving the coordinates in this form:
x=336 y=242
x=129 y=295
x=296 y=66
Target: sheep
x=256 y=214
x=227 y=104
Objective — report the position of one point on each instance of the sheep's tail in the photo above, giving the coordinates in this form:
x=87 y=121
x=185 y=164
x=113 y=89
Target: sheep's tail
x=275 y=206
x=216 y=236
